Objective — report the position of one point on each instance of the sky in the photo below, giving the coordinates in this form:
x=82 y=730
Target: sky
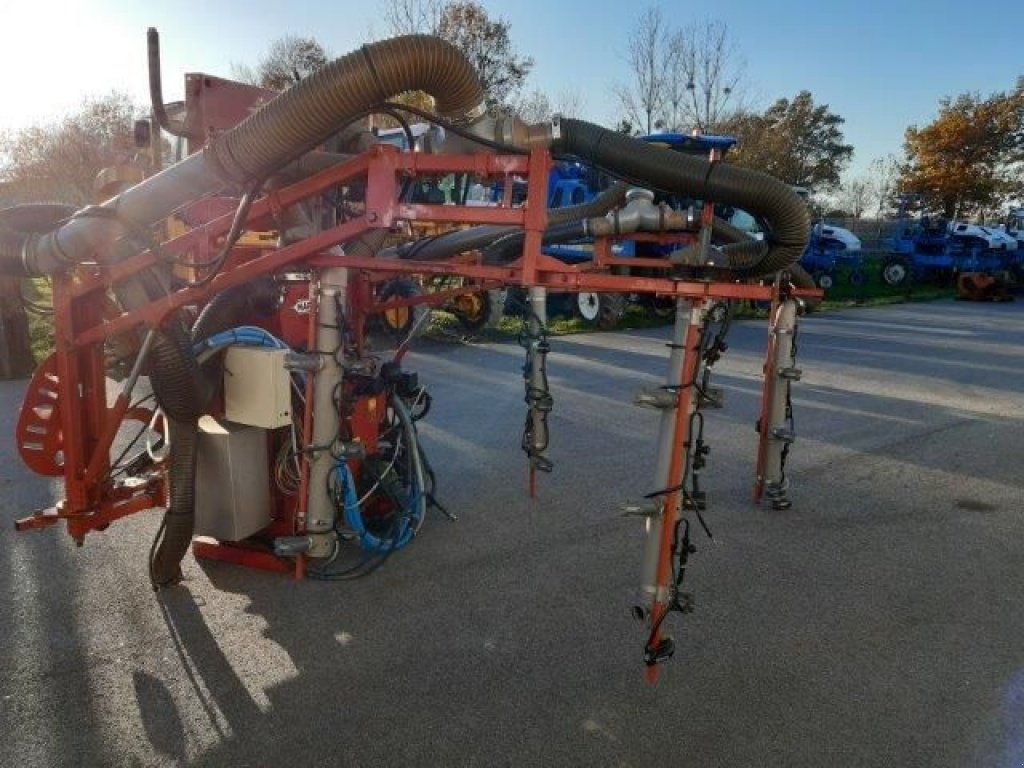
x=880 y=66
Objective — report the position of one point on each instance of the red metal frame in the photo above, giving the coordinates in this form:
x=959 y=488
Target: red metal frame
x=83 y=319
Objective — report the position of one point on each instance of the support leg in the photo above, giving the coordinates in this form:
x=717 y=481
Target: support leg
x=673 y=438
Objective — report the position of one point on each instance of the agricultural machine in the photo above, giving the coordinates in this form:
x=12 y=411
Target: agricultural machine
x=211 y=352
x=933 y=248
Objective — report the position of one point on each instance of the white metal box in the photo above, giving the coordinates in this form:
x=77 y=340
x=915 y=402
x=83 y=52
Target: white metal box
x=232 y=480
x=257 y=387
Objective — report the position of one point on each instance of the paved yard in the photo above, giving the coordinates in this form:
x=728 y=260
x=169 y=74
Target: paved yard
x=880 y=622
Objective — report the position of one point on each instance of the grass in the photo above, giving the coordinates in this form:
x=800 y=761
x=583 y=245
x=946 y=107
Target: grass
x=40 y=326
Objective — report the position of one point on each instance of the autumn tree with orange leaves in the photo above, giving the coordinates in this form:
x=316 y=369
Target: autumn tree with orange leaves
x=969 y=159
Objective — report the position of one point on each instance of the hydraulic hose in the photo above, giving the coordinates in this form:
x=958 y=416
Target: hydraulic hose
x=762 y=195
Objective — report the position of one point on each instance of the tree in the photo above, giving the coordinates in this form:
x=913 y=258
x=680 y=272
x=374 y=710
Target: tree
x=855 y=196
x=962 y=162
x=703 y=76
x=884 y=183
x=535 y=106
x=410 y=17
x=288 y=60
x=59 y=161
x=644 y=99
x=486 y=42
x=682 y=80
x=795 y=141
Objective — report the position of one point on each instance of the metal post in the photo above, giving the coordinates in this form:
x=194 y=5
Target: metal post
x=321 y=512
x=775 y=423
x=671 y=468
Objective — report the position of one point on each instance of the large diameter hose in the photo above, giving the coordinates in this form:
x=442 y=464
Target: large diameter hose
x=293 y=123
x=20 y=221
x=309 y=112
x=783 y=210
x=738 y=248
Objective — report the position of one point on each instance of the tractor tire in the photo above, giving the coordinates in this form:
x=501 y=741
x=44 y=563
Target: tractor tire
x=824 y=280
x=472 y=310
x=896 y=271
x=480 y=309
x=400 y=321
x=603 y=310
x=663 y=307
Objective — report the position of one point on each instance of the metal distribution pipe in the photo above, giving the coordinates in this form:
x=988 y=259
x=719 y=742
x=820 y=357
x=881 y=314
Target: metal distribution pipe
x=290 y=125
x=453 y=243
x=320 y=516
x=778 y=428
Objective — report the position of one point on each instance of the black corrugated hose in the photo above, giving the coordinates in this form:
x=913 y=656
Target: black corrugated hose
x=765 y=196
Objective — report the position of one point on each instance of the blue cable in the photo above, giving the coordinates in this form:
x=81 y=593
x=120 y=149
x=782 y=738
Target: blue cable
x=248 y=335
x=354 y=518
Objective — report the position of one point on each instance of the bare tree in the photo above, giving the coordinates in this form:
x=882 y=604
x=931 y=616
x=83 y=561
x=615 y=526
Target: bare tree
x=855 y=196
x=59 y=161
x=682 y=79
x=288 y=60
x=533 y=107
x=409 y=17
x=643 y=99
x=703 y=76
x=570 y=102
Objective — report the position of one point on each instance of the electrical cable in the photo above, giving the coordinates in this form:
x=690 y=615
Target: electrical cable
x=230 y=240
x=458 y=130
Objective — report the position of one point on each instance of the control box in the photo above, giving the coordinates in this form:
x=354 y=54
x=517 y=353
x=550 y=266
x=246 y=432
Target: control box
x=232 y=480
x=257 y=387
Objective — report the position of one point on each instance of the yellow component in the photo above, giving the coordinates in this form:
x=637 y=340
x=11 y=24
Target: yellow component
x=258 y=239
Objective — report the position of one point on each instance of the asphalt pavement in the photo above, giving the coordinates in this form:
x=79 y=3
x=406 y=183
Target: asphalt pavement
x=879 y=622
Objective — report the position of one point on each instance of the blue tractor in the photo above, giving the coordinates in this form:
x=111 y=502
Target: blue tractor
x=930 y=248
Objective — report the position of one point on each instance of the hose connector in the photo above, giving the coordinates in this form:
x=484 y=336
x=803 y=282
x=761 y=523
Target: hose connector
x=514 y=132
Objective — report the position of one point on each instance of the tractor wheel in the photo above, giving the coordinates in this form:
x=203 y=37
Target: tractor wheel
x=479 y=309
x=896 y=271
x=401 y=320
x=601 y=309
x=473 y=310
x=824 y=280
x=663 y=307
